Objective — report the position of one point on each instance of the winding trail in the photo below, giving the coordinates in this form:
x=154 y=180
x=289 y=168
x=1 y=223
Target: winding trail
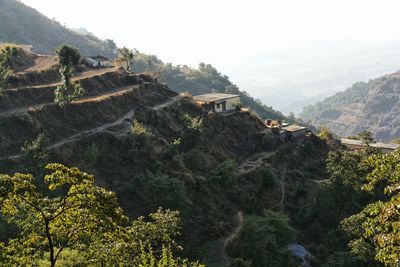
x=283 y=193
x=253 y=162
x=86 y=98
x=79 y=76
x=236 y=231
x=257 y=160
x=126 y=119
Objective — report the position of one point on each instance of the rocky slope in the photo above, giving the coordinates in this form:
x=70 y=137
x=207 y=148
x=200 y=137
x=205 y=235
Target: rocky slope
x=373 y=106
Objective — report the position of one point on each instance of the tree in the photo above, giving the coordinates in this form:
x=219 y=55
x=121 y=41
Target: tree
x=325 y=134
x=69 y=58
x=53 y=224
x=35 y=154
x=82 y=217
x=380 y=220
x=366 y=137
x=9 y=56
x=127 y=55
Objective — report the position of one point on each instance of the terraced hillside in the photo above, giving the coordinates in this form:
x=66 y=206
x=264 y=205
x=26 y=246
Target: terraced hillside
x=25 y=111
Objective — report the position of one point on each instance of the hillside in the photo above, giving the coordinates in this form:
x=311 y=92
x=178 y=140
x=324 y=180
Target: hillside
x=154 y=147
x=245 y=196
x=372 y=106
x=24 y=25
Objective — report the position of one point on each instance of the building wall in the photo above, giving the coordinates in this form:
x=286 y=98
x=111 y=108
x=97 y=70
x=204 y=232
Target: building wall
x=105 y=64
x=296 y=134
x=230 y=104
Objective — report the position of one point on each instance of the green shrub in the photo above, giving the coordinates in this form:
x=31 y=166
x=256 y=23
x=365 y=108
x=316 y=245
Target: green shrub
x=173 y=149
x=197 y=160
x=35 y=154
x=91 y=154
x=223 y=173
x=263 y=240
x=149 y=192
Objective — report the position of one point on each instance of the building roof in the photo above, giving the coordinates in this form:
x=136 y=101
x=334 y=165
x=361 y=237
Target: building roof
x=99 y=58
x=213 y=97
x=294 y=128
x=391 y=146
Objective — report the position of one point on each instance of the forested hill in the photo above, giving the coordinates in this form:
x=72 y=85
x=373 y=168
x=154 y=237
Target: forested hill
x=372 y=106
x=201 y=80
x=24 y=25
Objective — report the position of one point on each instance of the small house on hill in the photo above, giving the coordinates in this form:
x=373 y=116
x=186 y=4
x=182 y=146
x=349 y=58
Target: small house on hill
x=358 y=144
x=294 y=131
x=97 y=62
x=219 y=102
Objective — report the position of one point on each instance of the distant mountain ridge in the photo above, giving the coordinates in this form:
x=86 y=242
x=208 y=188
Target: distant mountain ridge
x=23 y=24
x=373 y=106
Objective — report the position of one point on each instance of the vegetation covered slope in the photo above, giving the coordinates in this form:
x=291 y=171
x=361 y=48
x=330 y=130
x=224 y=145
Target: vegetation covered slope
x=154 y=148
x=24 y=25
x=372 y=106
x=243 y=196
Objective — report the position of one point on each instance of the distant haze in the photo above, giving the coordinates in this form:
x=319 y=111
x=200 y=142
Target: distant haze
x=287 y=53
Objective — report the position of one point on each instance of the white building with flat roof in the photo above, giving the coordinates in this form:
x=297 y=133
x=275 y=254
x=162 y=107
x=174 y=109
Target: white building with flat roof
x=358 y=144
x=219 y=102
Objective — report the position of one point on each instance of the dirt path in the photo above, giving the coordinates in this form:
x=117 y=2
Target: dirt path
x=257 y=160
x=127 y=118
x=283 y=193
x=236 y=231
x=79 y=76
x=86 y=98
x=168 y=103
x=253 y=162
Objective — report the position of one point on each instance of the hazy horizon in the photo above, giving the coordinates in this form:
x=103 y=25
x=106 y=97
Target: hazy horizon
x=264 y=46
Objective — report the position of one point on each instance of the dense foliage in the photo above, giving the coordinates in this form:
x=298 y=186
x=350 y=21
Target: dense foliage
x=82 y=219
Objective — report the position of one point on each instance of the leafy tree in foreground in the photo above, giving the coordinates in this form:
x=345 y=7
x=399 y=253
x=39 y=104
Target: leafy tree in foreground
x=68 y=58
x=380 y=221
x=83 y=218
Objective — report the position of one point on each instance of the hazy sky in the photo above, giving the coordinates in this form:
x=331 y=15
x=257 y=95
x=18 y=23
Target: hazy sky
x=225 y=31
